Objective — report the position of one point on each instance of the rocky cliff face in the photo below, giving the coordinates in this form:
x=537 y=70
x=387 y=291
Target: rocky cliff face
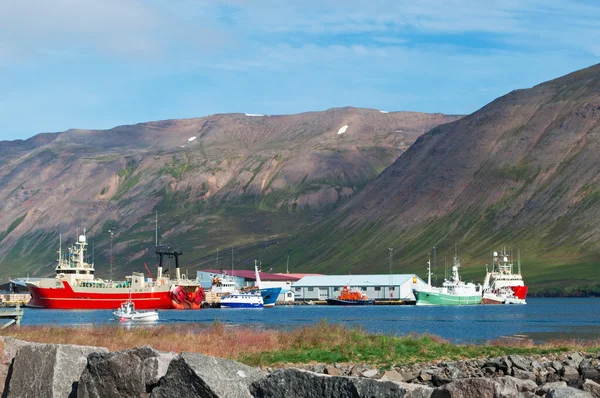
x=217 y=181
x=521 y=171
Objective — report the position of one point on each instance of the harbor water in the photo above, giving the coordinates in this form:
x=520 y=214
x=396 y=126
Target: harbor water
x=541 y=319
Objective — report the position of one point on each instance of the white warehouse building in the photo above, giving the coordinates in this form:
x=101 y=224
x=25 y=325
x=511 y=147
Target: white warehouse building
x=378 y=287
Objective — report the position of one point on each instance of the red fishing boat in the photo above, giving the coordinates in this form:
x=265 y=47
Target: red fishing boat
x=502 y=285
x=75 y=286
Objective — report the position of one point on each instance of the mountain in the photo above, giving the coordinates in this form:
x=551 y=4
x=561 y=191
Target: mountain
x=215 y=182
x=522 y=171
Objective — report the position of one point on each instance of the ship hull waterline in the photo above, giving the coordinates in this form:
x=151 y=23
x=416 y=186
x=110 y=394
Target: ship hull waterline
x=350 y=302
x=66 y=298
x=436 y=298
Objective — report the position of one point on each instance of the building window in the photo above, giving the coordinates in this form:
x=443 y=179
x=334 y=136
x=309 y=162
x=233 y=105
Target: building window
x=335 y=289
x=392 y=288
x=298 y=289
x=310 y=289
x=377 y=288
x=363 y=288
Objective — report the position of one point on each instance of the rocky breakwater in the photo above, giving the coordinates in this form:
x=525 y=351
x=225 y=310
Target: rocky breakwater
x=51 y=370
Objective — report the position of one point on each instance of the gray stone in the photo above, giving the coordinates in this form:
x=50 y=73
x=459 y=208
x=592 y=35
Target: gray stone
x=569 y=374
x=590 y=373
x=424 y=376
x=557 y=366
x=10 y=346
x=574 y=360
x=193 y=375
x=392 y=375
x=370 y=373
x=567 y=392
x=47 y=370
x=478 y=387
x=520 y=362
x=304 y=384
x=592 y=387
x=544 y=388
x=128 y=373
x=513 y=384
x=502 y=363
x=332 y=371
x=522 y=374
x=408 y=376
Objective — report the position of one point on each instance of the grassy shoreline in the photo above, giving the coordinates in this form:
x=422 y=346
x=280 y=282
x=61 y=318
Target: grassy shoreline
x=319 y=343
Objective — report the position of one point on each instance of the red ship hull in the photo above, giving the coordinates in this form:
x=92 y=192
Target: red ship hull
x=520 y=292
x=68 y=299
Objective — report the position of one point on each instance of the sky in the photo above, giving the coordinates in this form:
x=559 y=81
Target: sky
x=98 y=64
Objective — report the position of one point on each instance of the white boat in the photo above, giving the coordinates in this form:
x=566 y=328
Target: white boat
x=502 y=285
x=242 y=300
x=223 y=285
x=127 y=312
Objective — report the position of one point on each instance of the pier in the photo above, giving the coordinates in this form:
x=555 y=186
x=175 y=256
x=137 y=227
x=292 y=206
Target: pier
x=11 y=316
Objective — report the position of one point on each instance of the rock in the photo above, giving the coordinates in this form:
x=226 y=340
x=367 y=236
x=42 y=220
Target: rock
x=557 y=366
x=424 y=376
x=128 y=373
x=9 y=349
x=511 y=384
x=370 y=373
x=392 y=375
x=522 y=374
x=502 y=363
x=408 y=376
x=592 y=387
x=520 y=362
x=353 y=371
x=304 y=384
x=567 y=392
x=332 y=371
x=489 y=370
x=544 y=388
x=569 y=374
x=47 y=370
x=590 y=373
x=468 y=388
x=574 y=360
x=193 y=375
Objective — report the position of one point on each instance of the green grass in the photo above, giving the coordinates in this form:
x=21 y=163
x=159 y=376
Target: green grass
x=335 y=343
x=12 y=227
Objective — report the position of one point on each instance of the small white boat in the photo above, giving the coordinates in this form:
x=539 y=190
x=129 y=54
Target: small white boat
x=127 y=312
x=242 y=300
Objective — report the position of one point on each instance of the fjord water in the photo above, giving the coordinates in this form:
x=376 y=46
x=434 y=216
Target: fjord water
x=541 y=319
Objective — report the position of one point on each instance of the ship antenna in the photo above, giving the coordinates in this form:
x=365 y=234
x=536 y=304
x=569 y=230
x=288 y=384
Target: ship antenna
x=429 y=271
x=231 y=260
x=218 y=259
x=519 y=260
x=59 y=246
x=156 y=229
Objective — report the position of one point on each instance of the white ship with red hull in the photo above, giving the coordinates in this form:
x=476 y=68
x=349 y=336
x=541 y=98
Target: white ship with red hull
x=75 y=286
x=501 y=284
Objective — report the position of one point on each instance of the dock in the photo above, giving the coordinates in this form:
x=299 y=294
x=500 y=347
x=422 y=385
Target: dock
x=11 y=316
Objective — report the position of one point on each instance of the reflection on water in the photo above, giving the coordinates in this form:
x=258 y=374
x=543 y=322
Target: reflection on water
x=541 y=319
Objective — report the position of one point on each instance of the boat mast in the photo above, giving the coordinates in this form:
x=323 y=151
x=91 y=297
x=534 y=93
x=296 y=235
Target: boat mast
x=519 y=260
x=429 y=271
x=156 y=229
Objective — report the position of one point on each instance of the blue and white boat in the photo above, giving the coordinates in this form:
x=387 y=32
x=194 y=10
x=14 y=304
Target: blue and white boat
x=242 y=300
x=269 y=294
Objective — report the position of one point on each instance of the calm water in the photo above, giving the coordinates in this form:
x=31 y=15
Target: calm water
x=540 y=319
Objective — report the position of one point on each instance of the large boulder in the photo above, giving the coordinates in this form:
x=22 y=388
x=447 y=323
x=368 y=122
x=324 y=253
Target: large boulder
x=197 y=375
x=567 y=392
x=304 y=384
x=504 y=387
x=47 y=370
x=8 y=349
x=592 y=387
x=128 y=373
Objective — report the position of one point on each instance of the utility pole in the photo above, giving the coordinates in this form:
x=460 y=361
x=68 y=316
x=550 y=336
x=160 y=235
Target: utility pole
x=111 y=254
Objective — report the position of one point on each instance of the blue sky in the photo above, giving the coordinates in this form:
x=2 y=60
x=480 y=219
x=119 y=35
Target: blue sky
x=97 y=64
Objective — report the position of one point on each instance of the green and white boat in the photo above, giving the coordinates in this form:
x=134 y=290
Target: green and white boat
x=452 y=292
